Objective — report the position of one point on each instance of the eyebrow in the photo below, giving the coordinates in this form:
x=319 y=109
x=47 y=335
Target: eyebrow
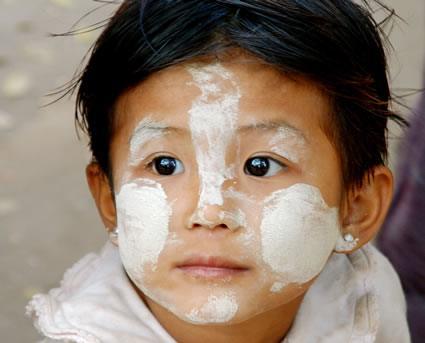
x=153 y=128
x=158 y=129
x=272 y=125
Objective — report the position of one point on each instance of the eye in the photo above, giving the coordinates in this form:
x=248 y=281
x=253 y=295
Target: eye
x=262 y=166
x=166 y=165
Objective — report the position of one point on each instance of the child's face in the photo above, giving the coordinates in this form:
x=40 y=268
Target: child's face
x=227 y=189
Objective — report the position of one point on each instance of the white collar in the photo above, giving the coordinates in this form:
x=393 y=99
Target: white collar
x=96 y=303
x=341 y=305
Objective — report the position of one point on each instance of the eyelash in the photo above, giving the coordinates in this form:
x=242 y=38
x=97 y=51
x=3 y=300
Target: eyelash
x=272 y=163
x=152 y=164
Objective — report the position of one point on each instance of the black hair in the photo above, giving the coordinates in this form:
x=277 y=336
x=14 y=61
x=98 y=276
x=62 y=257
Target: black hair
x=336 y=44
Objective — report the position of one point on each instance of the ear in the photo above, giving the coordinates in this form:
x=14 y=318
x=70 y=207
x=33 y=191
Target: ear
x=365 y=210
x=102 y=195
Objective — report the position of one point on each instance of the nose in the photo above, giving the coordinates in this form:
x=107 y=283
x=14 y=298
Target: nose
x=214 y=217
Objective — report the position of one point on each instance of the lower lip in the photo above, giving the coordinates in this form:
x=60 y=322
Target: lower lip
x=211 y=272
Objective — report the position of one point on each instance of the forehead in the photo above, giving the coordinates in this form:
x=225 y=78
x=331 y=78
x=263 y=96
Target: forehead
x=266 y=95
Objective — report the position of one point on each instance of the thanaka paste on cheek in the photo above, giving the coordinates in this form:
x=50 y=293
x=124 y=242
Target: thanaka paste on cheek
x=143 y=218
x=298 y=234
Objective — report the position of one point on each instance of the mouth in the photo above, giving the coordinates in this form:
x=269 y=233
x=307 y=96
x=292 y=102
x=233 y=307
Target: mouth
x=211 y=267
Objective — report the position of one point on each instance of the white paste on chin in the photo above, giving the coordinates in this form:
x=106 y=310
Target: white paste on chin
x=143 y=218
x=298 y=233
x=277 y=287
x=213 y=118
x=218 y=309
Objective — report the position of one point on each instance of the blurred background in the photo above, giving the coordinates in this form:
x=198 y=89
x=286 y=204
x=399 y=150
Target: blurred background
x=47 y=218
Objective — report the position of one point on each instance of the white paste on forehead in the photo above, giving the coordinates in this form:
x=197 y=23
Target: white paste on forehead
x=213 y=118
x=143 y=218
x=298 y=233
x=145 y=131
x=288 y=143
x=218 y=309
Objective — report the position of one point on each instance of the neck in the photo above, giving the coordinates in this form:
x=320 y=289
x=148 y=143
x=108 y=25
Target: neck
x=270 y=326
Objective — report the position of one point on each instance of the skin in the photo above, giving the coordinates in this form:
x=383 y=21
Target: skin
x=267 y=95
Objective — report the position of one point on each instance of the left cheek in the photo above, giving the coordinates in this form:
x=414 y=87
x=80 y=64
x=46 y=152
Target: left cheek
x=298 y=234
x=143 y=219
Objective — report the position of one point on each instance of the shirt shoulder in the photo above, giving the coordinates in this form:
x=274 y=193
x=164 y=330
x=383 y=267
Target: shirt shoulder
x=95 y=303
x=393 y=325
x=361 y=299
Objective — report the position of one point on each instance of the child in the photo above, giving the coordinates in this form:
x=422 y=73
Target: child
x=238 y=165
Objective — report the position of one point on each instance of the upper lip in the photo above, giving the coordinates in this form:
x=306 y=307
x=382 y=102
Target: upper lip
x=211 y=262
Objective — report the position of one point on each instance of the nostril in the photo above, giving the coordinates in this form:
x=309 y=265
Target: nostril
x=212 y=217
